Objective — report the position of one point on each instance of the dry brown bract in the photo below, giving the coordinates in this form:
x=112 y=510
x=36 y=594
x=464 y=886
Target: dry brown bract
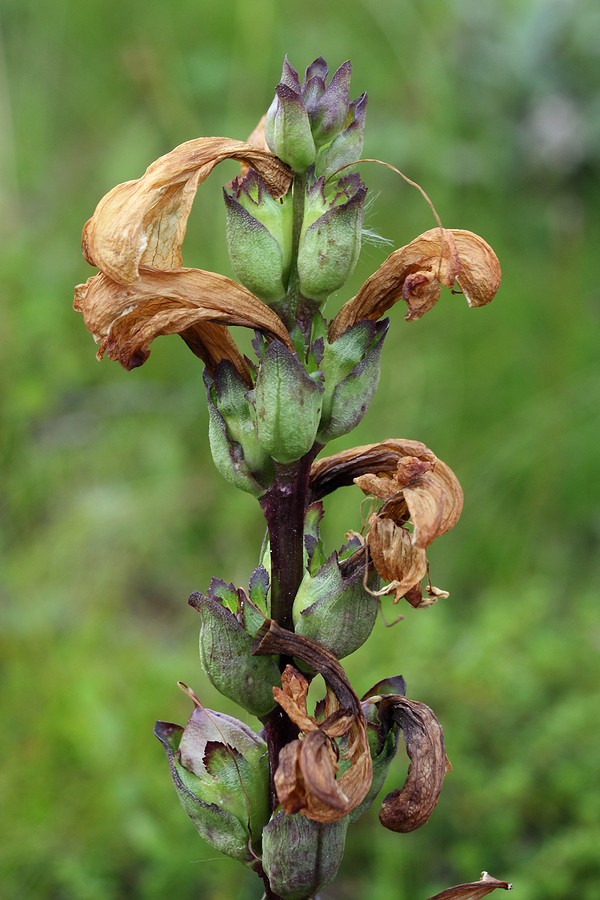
x=416 y=488
x=417 y=272
x=135 y=238
x=475 y=890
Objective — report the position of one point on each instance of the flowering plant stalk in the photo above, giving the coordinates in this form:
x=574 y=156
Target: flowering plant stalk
x=280 y=799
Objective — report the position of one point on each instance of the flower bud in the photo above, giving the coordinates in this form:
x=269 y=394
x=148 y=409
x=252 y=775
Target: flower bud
x=351 y=368
x=301 y=856
x=228 y=623
x=333 y=608
x=234 y=445
x=287 y=126
x=220 y=770
x=259 y=236
x=347 y=146
x=288 y=405
x=328 y=107
x=331 y=235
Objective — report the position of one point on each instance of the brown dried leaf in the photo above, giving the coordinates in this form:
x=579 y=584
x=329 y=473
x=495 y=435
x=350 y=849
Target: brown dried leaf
x=126 y=319
x=475 y=890
x=143 y=222
x=395 y=557
x=417 y=272
x=411 y=806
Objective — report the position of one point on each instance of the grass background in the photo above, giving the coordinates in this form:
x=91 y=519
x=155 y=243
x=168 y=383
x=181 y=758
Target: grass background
x=112 y=512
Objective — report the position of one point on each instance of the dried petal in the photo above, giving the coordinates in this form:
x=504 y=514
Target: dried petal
x=341 y=469
x=143 y=222
x=475 y=890
x=126 y=319
x=395 y=557
x=435 y=501
x=411 y=806
x=300 y=777
x=417 y=272
x=305 y=779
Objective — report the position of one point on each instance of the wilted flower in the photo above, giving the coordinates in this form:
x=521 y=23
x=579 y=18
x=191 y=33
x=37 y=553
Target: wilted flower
x=416 y=488
x=135 y=238
x=306 y=777
x=416 y=274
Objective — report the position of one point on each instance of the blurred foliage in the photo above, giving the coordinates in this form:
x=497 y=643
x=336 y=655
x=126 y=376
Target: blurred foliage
x=112 y=512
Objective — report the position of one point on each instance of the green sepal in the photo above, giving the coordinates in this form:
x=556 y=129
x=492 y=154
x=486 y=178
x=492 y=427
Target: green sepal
x=351 y=366
x=228 y=453
x=225 y=652
x=330 y=246
x=301 y=856
x=335 y=610
x=288 y=405
x=221 y=775
x=255 y=254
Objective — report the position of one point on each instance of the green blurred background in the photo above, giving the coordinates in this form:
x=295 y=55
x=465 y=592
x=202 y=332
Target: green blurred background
x=112 y=511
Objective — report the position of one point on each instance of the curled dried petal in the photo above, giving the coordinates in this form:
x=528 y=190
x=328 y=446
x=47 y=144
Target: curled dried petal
x=474 y=890
x=417 y=272
x=305 y=778
x=435 y=502
x=345 y=720
x=126 y=319
x=341 y=469
x=395 y=557
x=411 y=806
x=143 y=222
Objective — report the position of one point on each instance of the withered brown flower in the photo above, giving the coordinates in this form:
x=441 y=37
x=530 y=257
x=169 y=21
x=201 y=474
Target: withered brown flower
x=417 y=488
x=306 y=780
x=417 y=272
x=134 y=237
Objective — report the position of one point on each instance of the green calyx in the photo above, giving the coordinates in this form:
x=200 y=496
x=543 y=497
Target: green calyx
x=220 y=771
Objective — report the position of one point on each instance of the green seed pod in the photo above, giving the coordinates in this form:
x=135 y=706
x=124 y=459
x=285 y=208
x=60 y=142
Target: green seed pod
x=301 y=856
x=259 y=236
x=232 y=435
x=228 y=623
x=220 y=770
x=331 y=236
x=351 y=367
x=288 y=405
x=333 y=607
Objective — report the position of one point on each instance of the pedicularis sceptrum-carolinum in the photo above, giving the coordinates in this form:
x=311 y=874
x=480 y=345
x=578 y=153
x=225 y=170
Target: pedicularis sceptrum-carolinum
x=280 y=800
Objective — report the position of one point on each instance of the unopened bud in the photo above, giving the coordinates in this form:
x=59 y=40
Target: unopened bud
x=287 y=126
x=347 y=146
